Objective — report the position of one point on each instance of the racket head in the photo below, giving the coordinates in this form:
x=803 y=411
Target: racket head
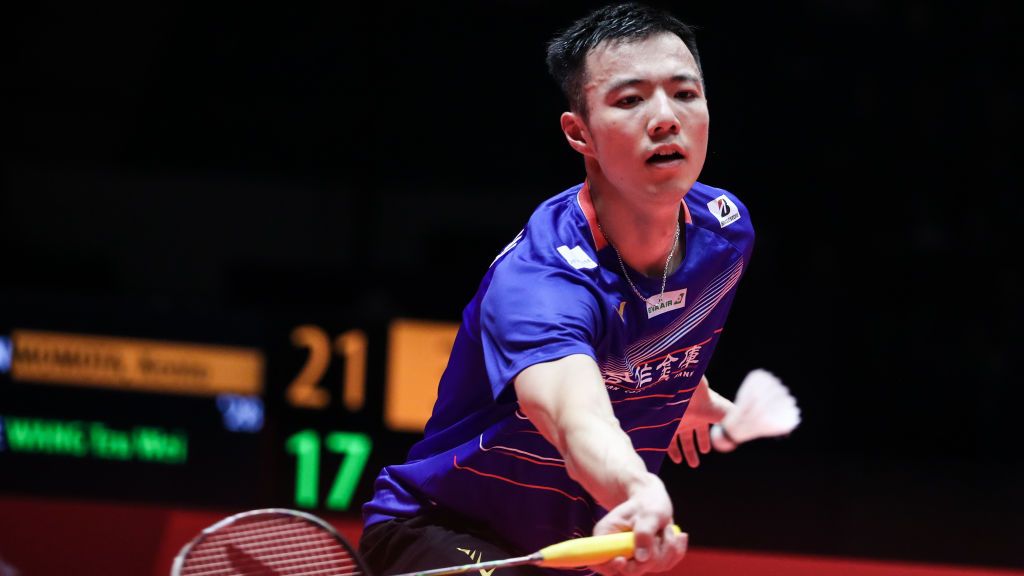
x=268 y=542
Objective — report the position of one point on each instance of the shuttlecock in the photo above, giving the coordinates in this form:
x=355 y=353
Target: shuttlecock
x=763 y=408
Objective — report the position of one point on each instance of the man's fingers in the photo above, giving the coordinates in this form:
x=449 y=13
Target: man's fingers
x=675 y=548
x=645 y=532
x=674 y=453
x=619 y=519
x=704 y=439
x=678 y=542
x=669 y=549
x=689 y=449
x=683 y=445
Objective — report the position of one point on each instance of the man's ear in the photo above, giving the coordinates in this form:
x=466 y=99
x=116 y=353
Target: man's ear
x=576 y=134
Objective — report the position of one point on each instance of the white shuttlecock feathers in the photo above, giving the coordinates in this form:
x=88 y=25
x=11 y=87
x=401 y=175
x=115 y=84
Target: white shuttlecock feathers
x=763 y=408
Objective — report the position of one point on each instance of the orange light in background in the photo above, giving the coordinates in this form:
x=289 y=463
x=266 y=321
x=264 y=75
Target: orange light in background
x=418 y=353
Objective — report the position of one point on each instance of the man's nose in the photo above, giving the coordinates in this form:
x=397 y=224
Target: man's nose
x=664 y=120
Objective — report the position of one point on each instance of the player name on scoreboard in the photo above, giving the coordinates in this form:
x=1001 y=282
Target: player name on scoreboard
x=135 y=364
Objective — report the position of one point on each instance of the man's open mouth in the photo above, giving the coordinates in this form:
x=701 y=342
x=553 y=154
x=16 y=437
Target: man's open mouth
x=663 y=157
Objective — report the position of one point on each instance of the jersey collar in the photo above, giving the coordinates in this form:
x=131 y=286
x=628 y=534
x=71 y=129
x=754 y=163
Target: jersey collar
x=586 y=203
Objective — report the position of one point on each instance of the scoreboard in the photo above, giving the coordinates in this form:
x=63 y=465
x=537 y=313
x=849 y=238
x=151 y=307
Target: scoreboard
x=305 y=420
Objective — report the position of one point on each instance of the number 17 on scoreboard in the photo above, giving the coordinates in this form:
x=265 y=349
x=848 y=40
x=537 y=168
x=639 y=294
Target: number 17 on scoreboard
x=305 y=445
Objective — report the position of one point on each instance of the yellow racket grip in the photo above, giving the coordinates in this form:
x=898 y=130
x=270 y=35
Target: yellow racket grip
x=590 y=550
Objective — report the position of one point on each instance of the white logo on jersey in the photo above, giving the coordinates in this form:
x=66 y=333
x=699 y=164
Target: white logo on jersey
x=576 y=257
x=724 y=210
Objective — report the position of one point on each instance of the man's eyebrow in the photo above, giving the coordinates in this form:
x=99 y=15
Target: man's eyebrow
x=683 y=78
x=629 y=82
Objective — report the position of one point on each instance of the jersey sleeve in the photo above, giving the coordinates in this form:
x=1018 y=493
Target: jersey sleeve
x=721 y=212
x=741 y=234
x=534 y=312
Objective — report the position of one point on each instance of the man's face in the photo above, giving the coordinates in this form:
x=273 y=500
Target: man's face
x=648 y=118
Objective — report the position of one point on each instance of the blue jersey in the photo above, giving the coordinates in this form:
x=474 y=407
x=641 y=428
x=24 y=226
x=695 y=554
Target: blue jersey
x=556 y=290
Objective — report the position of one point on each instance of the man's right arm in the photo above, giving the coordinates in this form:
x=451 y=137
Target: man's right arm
x=566 y=400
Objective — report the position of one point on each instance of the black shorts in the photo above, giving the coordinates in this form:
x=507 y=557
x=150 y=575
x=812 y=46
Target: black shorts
x=422 y=543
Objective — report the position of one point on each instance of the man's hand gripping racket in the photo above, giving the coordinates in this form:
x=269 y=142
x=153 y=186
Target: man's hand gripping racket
x=574 y=553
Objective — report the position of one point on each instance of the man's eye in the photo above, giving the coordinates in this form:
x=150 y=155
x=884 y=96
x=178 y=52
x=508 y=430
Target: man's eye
x=627 y=101
x=686 y=94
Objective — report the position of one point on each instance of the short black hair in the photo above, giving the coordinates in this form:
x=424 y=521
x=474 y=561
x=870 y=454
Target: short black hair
x=567 y=52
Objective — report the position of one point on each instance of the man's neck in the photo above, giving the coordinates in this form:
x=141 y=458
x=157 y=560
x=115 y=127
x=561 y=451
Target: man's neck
x=642 y=230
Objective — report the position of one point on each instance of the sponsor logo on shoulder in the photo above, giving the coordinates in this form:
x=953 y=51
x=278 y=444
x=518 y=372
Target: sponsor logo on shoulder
x=576 y=257
x=724 y=210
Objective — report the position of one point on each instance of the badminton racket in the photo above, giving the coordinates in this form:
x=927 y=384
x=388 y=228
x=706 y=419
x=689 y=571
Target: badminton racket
x=266 y=543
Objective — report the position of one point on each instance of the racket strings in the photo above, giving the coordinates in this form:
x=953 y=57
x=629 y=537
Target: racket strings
x=262 y=546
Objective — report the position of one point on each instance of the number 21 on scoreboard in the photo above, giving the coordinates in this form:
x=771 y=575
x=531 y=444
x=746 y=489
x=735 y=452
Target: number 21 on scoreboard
x=304 y=392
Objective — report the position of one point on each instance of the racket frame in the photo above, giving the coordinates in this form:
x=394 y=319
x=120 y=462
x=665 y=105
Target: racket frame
x=179 y=560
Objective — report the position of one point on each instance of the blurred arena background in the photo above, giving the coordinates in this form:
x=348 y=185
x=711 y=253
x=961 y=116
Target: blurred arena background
x=237 y=238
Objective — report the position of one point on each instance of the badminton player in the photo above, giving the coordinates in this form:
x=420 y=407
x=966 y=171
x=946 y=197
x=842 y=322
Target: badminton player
x=582 y=355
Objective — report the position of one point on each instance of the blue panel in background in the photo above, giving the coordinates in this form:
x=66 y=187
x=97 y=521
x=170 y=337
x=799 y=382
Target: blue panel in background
x=241 y=413
x=5 y=354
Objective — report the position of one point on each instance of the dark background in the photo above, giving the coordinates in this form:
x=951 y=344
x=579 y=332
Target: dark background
x=222 y=173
